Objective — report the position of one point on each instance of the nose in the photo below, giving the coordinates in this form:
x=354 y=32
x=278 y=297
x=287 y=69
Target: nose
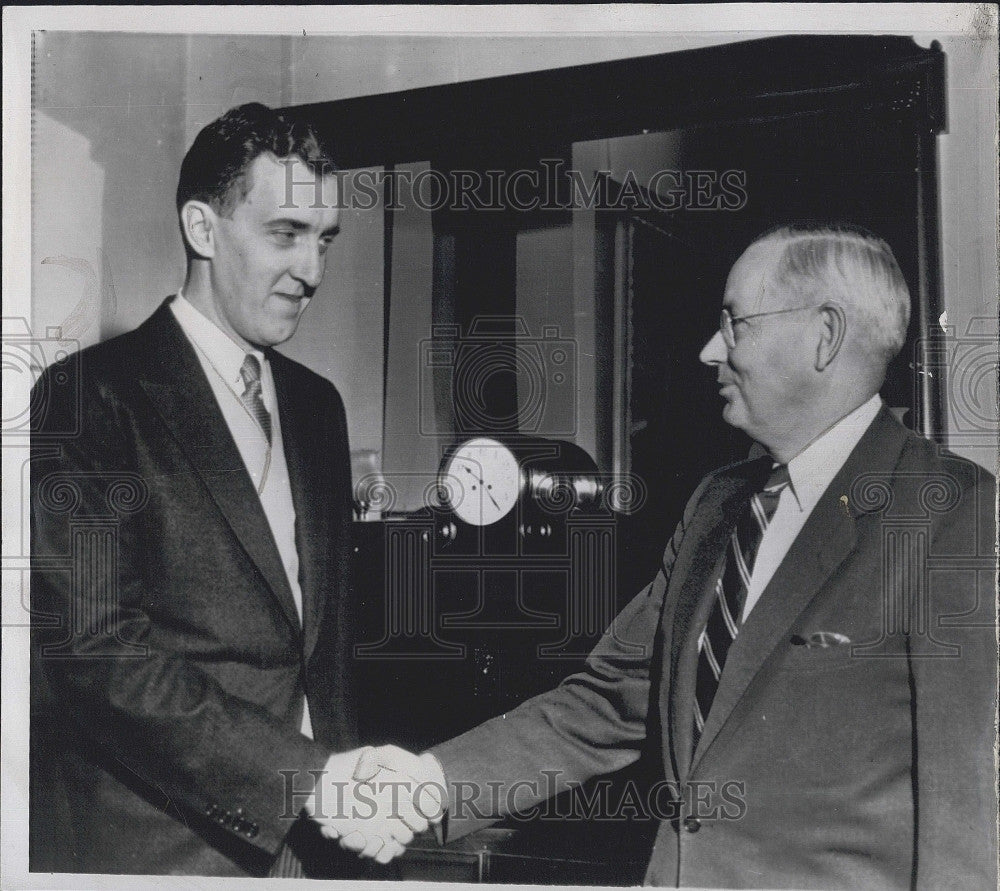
x=714 y=352
x=309 y=265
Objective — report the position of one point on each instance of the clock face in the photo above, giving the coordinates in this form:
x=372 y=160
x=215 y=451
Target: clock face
x=482 y=481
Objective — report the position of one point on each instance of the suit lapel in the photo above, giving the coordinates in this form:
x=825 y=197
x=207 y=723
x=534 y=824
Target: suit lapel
x=825 y=541
x=309 y=478
x=175 y=383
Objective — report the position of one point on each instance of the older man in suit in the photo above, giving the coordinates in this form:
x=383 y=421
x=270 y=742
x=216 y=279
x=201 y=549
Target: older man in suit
x=814 y=668
x=190 y=525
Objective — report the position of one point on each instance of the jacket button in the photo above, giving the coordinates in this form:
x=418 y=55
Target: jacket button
x=692 y=824
x=252 y=831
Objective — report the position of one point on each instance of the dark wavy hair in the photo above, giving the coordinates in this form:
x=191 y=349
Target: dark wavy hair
x=215 y=168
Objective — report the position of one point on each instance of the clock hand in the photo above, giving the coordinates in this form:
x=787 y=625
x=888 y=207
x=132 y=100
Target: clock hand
x=478 y=479
x=482 y=483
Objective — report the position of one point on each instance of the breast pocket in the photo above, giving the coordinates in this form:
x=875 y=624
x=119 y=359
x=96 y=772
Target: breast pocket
x=816 y=651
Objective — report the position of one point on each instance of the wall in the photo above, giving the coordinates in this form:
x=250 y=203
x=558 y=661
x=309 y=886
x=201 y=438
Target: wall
x=66 y=285
x=969 y=201
x=125 y=95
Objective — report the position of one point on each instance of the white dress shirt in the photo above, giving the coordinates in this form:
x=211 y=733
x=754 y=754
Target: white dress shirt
x=221 y=359
x=811 y=471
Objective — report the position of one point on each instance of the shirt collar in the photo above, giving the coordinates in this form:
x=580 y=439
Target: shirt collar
x=813 y=469
x=225 y=354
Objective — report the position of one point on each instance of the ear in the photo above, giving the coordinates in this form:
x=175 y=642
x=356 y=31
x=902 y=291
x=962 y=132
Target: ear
x=198 y=226
x=834 y=328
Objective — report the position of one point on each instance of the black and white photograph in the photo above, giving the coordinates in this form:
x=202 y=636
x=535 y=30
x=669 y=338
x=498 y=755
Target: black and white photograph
x=545 y=445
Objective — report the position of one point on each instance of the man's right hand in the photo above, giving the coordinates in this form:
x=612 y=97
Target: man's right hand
x=374 y=819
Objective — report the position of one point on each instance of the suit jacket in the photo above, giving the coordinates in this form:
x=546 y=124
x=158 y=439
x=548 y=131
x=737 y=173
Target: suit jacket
x=862 y=765
x=169 y=666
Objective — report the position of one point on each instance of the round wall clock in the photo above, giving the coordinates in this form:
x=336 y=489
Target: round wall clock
x=480 y=481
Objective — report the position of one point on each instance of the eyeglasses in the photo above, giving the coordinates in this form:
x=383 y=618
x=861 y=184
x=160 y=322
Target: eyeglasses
x=727 y=320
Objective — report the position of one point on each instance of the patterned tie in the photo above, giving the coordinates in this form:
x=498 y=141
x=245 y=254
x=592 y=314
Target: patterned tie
x=287 y=865
x=251 y=398
x=731 y=590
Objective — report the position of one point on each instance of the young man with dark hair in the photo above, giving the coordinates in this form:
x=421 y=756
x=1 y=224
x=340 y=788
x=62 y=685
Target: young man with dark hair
x=191 y=676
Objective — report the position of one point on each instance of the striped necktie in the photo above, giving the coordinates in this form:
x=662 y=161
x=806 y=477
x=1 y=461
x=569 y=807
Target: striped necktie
x=251 y=398
x=730 y=591
x=287 y=865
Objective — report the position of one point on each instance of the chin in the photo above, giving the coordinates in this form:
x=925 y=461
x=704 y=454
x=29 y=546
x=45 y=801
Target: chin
x=732 y=415
x=281 y=329
x=272 y=336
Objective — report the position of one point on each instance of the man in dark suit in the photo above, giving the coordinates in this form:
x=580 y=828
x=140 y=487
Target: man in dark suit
x=814 y=668
x=190 y=524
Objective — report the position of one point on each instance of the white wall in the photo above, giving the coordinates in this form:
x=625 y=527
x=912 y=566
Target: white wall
x=66 y=284
x=969 y=202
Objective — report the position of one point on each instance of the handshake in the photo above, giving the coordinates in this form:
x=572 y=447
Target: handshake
x=375 y=799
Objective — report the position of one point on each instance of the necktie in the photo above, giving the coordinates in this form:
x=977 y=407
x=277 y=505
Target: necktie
x=287 y=865
x=251 y=398
x=730 y=591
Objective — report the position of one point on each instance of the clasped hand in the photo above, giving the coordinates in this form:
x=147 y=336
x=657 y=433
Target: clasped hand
x=373 y=800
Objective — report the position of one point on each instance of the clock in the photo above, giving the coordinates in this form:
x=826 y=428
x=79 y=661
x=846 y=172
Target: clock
x=480 y=481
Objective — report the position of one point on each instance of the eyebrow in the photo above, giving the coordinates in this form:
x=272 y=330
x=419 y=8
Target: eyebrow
x=299 y=226
x=289 y=223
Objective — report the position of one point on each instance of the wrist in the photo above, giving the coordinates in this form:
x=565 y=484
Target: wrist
x=434 y=777
x=433 y=771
